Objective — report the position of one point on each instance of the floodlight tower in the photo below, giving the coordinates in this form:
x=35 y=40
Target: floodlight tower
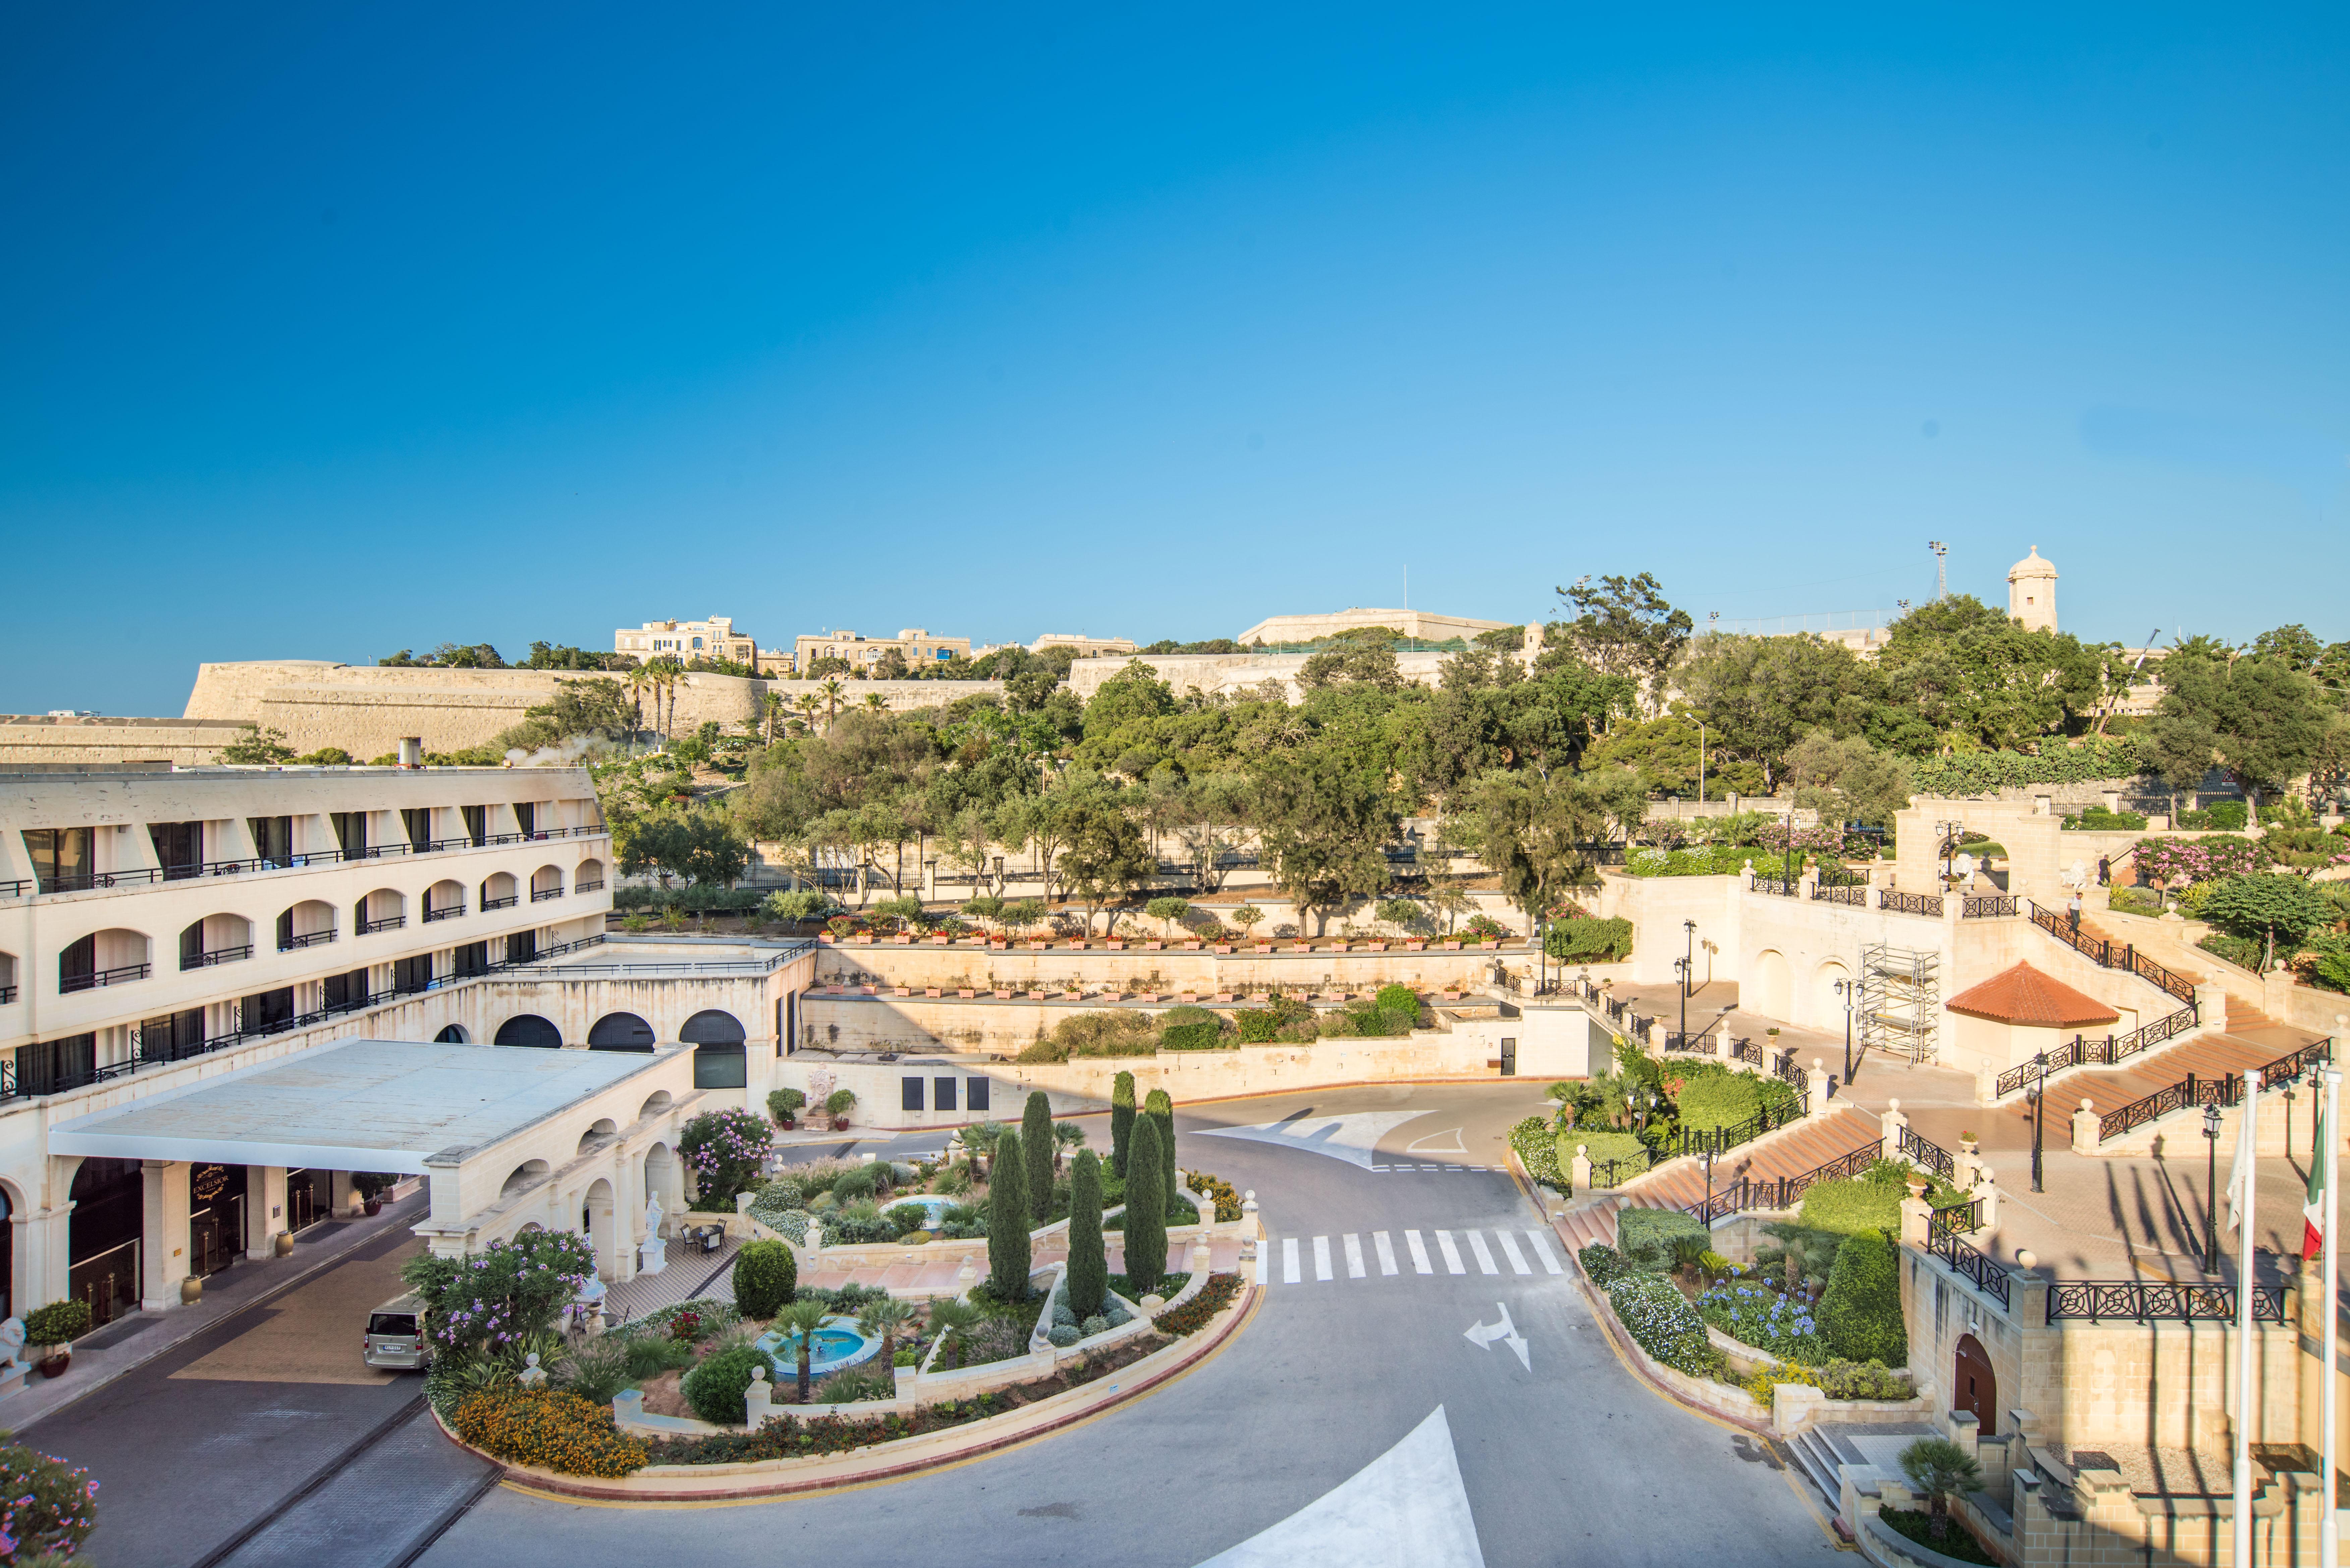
x=1942 y=570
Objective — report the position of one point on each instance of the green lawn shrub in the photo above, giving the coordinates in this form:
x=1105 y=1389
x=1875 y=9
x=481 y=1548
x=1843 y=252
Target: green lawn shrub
x=1647 y=1235
x=1662 y=1322
x=1860 y=1313
x=713 y=1390
x=766 y=1275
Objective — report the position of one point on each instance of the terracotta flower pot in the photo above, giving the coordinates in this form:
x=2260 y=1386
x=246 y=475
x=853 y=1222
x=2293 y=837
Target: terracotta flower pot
x=840 y=1124
x=55 y=1364
x=373 y=1206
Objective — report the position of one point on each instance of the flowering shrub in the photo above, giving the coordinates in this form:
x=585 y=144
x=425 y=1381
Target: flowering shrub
x=1661 y=1322
x=1537 y=1147
x=1836 y=1379
x=1215 y=1188
x=724 y=1150
x=485 y=1302
x=1755 y=1314
x=552 y=1431
x=1193 y=1314
x=49 y=1506
x=1604 y=1263
x=2168 y=860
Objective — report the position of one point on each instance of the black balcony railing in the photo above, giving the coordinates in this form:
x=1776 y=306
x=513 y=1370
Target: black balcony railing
x=16 y=888
x=7 y=994
x=1984 y=906
x=541 y=895
x=115 y=976
x=307 y=940
x=217 y=956
x=447 y=912
x=389 y=923
x=1910 y=903
x=508 y=902
x=595 y=886
x=87 y=882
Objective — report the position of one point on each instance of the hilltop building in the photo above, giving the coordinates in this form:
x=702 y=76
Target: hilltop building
x=2032 y=593
x=913 y=644
x=686 y=639
x=1419 y=625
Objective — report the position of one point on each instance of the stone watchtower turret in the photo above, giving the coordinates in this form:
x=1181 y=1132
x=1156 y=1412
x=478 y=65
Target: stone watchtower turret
x=2032 y=593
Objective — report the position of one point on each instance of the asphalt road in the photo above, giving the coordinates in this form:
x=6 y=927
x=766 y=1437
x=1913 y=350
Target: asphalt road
x=1566 y=1459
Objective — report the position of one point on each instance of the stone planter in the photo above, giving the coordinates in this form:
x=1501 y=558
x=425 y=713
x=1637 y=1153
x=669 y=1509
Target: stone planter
x=866 y=941
x=1153 y=947
x=940 y=941
x=1415 y=947
x=1376 y=947
x=840 y=1124
x=826 y=938
x=372 y=1207
x=1263 y=947
x=58 y=1358
x=902 y=940
x=1452 y=946
x=1489 y=947
x=1223 y=947
x=1116 y=944
x=191 y=1291
x=1190 y=947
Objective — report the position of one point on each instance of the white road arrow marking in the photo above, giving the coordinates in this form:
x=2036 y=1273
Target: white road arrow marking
x=1506 y=1332
x=1407 y=1508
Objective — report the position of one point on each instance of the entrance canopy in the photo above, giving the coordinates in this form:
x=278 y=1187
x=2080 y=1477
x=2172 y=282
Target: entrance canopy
x=364 y=1104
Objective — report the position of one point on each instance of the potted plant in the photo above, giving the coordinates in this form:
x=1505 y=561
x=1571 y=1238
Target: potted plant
x=371 y=1184
x=836 y=1105
x=50 y=1331
x=785 y=1105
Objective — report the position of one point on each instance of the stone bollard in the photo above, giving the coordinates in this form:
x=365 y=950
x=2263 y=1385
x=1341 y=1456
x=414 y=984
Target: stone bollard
x=2084 y=1129
x=1917 y=1214
x=757 y=1399
x=967 y=1276
x=1201 y=1258
x=1894 y=1123
x=1816 y=1080
x=2027 y=1290
x=1580 y=1175
x=1986 y=1084
x=1986 y=1192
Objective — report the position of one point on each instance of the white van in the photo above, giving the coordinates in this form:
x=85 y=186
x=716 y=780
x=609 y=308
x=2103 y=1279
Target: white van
x=395 y=1335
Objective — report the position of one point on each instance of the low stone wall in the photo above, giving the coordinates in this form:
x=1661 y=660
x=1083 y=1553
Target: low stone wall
x=1168 y=971
x=33 y=739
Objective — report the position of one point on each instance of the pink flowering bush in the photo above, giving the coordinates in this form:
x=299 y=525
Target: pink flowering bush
x=725 y=1150
x=483 y=1304
x=2168 y=861
x=46 y=1505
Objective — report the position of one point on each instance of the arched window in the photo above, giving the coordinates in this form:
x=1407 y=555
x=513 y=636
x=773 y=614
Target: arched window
x=530 y=1029
x=620 y=1031
x=719 y=1059
x=453 y=1035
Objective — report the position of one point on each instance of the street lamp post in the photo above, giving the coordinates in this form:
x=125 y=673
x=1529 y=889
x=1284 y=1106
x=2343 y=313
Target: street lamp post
x=2039 y=1111
x=1706 y=1159
x=1682 y=967
x=2210 y=1189
x=1844 y=990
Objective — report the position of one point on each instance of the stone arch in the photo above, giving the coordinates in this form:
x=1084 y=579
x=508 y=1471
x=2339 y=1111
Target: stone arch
x=620 y=1031
x=529 y=1029
x=522 y=1177
x=215 y=939
x=546 y=882
x=385 y=909
x=720 y=1057
x=107 y=957
x=1974 y=1386
x=604 y=1128
x=499 y=891
x=309 y=924
x=454 y=1034
x=1773 y=990
x=444 y=901
x=589 y=877
x=596 y=1222
x=655 y=1103
x=665 y=1177
x=1826 y=1006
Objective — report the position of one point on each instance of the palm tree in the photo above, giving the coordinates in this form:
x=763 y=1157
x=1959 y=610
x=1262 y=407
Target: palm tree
x=876 y=701
x=771 y=710
x=1940 y=1469
x=886 y=1318
x=1066 y=1136
x=954 y=1319
x=831 y=690
x=809 y=705
x=637 y=680
x=802 y=1318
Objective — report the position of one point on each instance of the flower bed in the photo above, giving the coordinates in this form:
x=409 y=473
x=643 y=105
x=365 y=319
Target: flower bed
x=1196 y=1314
x=1661 y=1322
x=1755 y=1314
x=546 y=1428
x=1537 y=1149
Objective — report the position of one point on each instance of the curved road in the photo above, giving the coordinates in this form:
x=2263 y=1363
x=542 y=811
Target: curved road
x=1565 y=1458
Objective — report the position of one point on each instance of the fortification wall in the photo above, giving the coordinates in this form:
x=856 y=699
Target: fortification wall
x=37 y=741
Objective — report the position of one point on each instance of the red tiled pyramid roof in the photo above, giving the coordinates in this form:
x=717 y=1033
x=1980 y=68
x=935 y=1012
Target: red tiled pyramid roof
x=2023 y=995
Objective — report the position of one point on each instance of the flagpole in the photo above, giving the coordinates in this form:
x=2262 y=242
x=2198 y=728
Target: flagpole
x=2329 y=1541
x=2247 y=1402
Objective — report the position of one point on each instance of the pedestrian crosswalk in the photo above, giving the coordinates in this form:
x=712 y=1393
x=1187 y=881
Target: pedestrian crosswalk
x=1522 y=1253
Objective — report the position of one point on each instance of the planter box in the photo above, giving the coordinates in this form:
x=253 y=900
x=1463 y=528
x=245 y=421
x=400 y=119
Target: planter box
x=866 y=941
x=1376 y=947
x=1002 y=996
x=1040 y=947
x=997 y=943
x=1190 y=947
x=1415 y=947
x=1073 y=996
x=1116 y=944
x=1264 y=947
x=1147 y=996
x=1452 y=946
x=1223 y=947
x=930 y=990
x=1489 y=947
x=966 y=993
x=1224 y=996
x=826 y=938
x=1153 y=947
x=902 y=940
x=903 y=989
x=869 y=990
x=940 y=941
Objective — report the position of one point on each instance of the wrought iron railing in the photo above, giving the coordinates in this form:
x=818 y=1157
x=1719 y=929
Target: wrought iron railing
x=217 y=956
x=17 y=887
x=2288 y=1067
x=1928 y=1154
x=2111 y=955
x=2145 y=1300
x=1786 y=1070
x=1963 y=1218
x=1748 y=1052
x=1983 y=905
x=307 y=940
x=148 y=876
x=1988 y=1277
x=1692 y=1141
x=69 y=983
x=2083 y=1052
x=1779 y=887
x=2185 y=1095
x=508 y=902
x=389 y=923
x=449 y=912
x=7 y=994
x=541 y=895
x=585 y=887
x=1746 y=1194
x=1910 y=903
x=1855 y=895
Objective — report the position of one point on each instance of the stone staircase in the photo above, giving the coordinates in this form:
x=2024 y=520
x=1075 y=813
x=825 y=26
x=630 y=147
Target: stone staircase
x=2251 y=1040
x=1796 y=1150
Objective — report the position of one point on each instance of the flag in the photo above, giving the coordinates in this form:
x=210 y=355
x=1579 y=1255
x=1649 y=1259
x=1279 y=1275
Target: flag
x=2313 y=1209
x=2239 y=1169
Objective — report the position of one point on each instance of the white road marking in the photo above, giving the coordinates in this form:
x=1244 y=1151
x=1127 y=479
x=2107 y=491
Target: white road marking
x=1387 y=1252
x=1420 y=1263
x=1518 y=1265
x=1506 y=1332
x=1350 y=1137
x=1406 y=1506
x=1541 y=1244
x=1289 y=1259
x=1321 y=1257
x=1433 y=1140
x=1485 y=1264
x=1452 y=1264
x=1354 y=1256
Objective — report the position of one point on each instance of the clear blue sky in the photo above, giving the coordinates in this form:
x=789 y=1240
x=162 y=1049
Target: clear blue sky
x=330 y=330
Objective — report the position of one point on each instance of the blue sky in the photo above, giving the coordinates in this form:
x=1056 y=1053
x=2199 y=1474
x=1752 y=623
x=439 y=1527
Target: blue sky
x=335 y=330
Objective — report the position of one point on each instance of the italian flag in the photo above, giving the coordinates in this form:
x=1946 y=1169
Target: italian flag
x=2313 y=1209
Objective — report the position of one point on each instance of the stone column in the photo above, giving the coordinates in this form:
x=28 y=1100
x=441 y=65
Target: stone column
x=1580 y=1178
x=1817 y=1081
x=1916 y=1215
x=2211 y=1007
x=344 y=1200
x=163 y=1234
x=264 y=1208
x=1894 y=1123
x=42 y=1252
x=2084 y=1129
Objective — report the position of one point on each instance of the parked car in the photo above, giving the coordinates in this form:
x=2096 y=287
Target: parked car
x=395 y=1335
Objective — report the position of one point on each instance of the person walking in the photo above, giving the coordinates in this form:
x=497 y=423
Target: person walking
x=2072 y=910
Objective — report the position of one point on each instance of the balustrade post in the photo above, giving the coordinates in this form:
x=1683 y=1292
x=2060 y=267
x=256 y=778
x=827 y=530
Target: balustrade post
x=1986 y=1193
x=2084 y=1129
x=1894 y=1122
x=1817 y=1082
x=1916 y=1216
x=2211 y=1007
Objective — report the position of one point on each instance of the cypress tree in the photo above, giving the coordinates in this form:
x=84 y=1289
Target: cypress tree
x=1162 y=1109
x=1121 y=1120
x=1145 y=1212
x=1036 y=1148
x=1008 y=1221
x=1088 y=1264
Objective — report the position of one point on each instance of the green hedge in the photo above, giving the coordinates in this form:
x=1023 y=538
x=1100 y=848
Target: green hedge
x=1647 y=1235
x=1207 y=1036
x=1538 y=1151
x=1987 y=772
x=693 y=898
x=1587 y=939
x=1860 y=1312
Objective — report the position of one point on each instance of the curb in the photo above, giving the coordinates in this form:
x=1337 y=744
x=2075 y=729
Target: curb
x=548 y=1483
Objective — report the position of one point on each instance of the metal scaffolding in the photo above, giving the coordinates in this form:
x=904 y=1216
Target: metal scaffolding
x=1900 y=999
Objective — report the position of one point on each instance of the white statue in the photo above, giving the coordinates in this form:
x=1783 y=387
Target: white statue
x=11 y=1343
x=532 y=1375
x=652 y=1215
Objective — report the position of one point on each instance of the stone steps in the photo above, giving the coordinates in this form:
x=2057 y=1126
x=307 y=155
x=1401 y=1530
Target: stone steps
x=1795 y=1150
